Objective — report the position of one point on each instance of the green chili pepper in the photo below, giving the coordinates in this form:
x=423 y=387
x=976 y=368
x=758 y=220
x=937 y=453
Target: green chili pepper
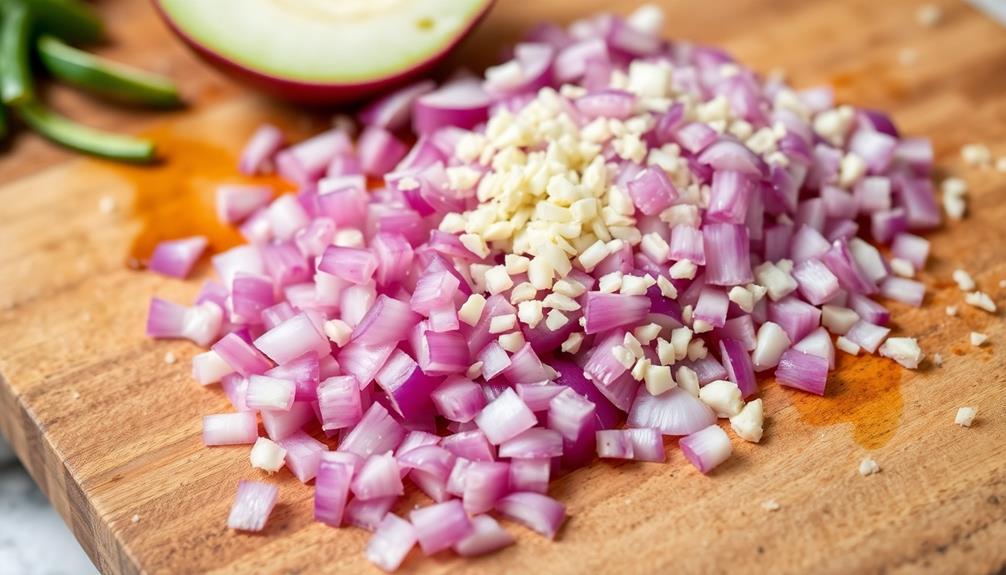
x=15 y=71
x=104 y=77
x=73 y=135
x=71 y=20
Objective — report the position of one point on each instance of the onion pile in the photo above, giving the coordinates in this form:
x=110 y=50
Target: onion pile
x=598 y=244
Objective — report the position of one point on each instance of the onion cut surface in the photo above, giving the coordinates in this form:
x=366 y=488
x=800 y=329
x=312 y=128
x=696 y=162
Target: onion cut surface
x=476 y=337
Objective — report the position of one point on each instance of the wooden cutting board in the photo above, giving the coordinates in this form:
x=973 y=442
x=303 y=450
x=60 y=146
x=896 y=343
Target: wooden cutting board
x=112 y=432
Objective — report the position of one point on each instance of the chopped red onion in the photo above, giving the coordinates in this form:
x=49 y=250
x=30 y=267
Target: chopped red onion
x=367 y=514
x=440 y=526
x=904 y=290
x=379 y=151
x=199 y=323
x=686 y=244
x=470 y=445
x=377 y=432
x=339 y=402
x=393 y=538
x=292 y=339
x=818 y=343
x=354 y=265
x=802 y=371
x=912 y=249
x=740 y=328
x=867 y=335
x=303 y=163
x=706 y=448
x=459 y=399
x=535 y=443
x=388 y=321
x=494 y=360
x=526 y=367
x=379 y=477
x=652 y=191
x=694 y=137
x=230 y=428
x=706 y=369
x=363 y=362
x=607 y=311
x=340 y=286
x=250 y=296
x=530 y=475
x=617 y=104
x=407 y=387
x=730 y=197
x=303 y=454
x=537 y=395
x=240 y=355
x=443 y=353
x=208 y=367
x=433 y=290
x=728 y=254
x=252 y=506
x=614 y=444
x=816 y=282
x=674 y=412
x=394 y=111
x=281 y=424
x=647 y=444
x=486 y=536
x=269 y=393
x=462 y=103
x=797 y=318
x=431 y=459
x=331 y=489
x=730 y=155
x=485 y=483
x=711 y=307
x=535 y=511
x=505 y=417
x=260 y=149
x=394 y=258
x=737 y=364
x=304 y=372
x=175 y=258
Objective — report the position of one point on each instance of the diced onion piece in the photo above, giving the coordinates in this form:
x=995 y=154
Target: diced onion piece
x=486 y=536
x=252 y=506
x=392 y=540
x=535 y=511
x=675 y=412
x=230 y=428
x=505 y=418
x=802 y=371
x=176 y=258
x=440 y=526
x=706 y=448
x=331 y=489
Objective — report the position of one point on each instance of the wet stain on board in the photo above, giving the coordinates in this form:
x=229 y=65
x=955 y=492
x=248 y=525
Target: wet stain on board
x=864 y=391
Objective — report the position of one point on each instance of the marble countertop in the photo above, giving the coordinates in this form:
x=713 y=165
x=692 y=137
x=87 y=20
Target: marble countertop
x=33 y=538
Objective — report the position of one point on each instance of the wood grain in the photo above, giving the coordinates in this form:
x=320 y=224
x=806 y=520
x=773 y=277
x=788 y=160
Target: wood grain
x=109 y=430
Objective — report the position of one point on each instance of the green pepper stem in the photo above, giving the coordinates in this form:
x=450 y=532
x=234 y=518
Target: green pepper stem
x=82 y=138
x=15 y=70
x=105 y=77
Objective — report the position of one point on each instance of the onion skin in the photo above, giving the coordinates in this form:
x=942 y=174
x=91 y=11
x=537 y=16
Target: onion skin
x=316 y=93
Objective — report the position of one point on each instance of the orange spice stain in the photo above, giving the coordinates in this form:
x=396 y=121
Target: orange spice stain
x=176 y=197
x=875 y=80
x=864 y=391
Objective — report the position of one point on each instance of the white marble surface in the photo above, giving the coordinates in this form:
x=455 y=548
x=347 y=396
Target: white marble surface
x=33 y=538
